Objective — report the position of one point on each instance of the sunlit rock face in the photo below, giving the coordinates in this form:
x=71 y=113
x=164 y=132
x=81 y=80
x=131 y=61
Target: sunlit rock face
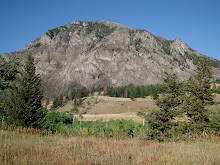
x=87 y=54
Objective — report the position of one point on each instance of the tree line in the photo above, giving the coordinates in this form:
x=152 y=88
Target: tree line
x=131 y=91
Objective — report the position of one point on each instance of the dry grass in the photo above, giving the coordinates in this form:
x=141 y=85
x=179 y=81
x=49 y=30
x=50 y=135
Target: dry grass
x=217 y=97
x=112 y=108
x=108 y=108
x=22 y=148
x=217 y=85
x=107 y=117
x=112 y=105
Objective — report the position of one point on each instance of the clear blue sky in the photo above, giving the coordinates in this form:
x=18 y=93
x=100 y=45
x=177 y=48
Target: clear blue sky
x=197 y=22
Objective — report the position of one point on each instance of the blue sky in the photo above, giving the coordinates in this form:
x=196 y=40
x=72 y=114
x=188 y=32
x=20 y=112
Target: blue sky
x=197 y=22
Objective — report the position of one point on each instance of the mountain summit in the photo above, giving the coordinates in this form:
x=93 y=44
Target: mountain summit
x=86 y=54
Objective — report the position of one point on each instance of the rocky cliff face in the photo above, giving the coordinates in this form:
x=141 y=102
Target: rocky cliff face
x=91 y=53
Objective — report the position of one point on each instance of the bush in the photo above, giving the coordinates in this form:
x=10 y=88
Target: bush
x=62 y=123
x=55 y=119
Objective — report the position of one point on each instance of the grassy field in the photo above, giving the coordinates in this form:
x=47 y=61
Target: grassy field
x=111 y=105
x=107 y=108
x=19 y=148
x=107 y=117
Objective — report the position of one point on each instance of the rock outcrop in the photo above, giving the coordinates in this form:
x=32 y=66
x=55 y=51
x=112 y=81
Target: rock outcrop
x=86 y=54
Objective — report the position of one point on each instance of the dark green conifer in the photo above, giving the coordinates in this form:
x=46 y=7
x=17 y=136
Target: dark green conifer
x=24 y=108
x=7 y=79
x=199 y=92
x=161 y=122
x=55 y=103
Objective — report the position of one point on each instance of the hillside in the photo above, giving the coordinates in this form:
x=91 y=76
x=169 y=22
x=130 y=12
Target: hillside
x=86 y=54
x=112 y=108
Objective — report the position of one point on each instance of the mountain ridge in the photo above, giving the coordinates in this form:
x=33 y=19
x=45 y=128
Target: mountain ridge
x=87 y=54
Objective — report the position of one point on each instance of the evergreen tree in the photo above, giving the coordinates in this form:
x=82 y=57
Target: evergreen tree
x=142 y=92
x=199 y=92
x=218 y=90
x=55 y=103
x=214 y=88
x=7 y=75
x=73 y=93
x=67 y=98
x=173 y=96
x=7 y=79
x=24 y=108
x=155 y=94
x=132 y=95
x=2 y=113
x=60 y=100
x=161 y=121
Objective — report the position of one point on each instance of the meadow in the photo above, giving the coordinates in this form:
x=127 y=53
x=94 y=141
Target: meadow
x=108 y=142
x=113 y=108
x=28 y=146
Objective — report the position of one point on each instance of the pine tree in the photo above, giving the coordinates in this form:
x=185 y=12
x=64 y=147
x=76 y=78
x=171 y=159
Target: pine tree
x=7 y=79
x=60 y=100
x=66 y=99
x=24 y=108
x=161 y=121
x=173 y=96
x=132 y=95
x=214 y=88
x=73 y=93
x=7 y=75
x=199 y=92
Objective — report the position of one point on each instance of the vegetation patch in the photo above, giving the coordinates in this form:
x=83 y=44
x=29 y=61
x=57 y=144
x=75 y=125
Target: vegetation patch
x=193 y=57
x=133 y=92
x=137 y=44
x=101 y=30
x=215 y=63
x=164 y=43
x=37 y=45
x=1 y=59
x=91 y=46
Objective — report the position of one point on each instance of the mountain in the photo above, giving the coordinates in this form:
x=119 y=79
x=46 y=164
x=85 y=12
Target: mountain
x=86 y=54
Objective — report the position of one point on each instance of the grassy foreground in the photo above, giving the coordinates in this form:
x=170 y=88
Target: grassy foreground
x=18 y=147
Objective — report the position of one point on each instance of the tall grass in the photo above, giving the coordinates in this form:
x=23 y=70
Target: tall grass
x=24 y=147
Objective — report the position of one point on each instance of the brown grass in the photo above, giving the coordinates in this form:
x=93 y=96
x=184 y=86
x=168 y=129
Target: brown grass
x=112 y=105
x=217 y=85
x=107 y=117
x=114 y=108
x=22 y=148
